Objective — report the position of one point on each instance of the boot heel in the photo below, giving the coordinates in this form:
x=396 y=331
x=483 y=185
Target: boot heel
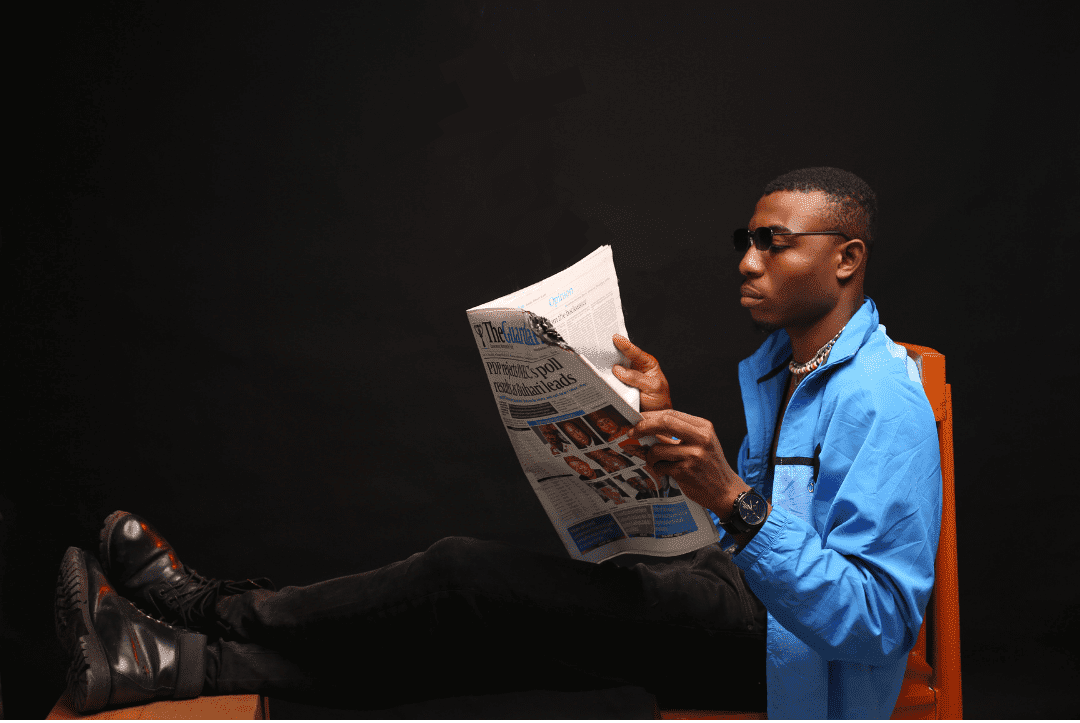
x=88 y=678
x=70 y=613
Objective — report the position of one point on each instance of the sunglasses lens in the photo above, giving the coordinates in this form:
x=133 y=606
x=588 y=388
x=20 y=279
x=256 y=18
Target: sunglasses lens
x=742 y=239
x=761 y=238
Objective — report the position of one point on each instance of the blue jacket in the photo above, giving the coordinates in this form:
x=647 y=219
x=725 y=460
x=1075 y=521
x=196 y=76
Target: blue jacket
x=845 y=561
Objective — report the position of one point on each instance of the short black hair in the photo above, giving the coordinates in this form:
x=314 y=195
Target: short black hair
x=853 y=203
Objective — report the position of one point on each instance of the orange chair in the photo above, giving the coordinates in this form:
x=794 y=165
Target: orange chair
x=931 y=688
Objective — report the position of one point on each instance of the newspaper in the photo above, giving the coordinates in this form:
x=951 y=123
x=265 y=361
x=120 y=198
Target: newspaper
x=548 y=354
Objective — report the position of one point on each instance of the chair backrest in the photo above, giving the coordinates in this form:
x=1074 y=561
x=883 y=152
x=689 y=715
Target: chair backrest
x=931 y=686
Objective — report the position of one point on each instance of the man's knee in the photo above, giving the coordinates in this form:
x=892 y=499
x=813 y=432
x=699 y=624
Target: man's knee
x=457 y=561
x=456 y=547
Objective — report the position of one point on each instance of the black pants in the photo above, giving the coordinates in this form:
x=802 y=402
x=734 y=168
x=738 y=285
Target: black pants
x=468 y=617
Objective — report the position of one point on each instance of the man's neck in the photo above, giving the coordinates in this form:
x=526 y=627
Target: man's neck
x=807 y=341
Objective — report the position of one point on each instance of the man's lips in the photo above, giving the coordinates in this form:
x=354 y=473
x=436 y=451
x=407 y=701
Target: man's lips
x=750 y=296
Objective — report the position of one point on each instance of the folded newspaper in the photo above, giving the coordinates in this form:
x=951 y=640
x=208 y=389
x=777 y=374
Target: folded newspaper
x=548 y=354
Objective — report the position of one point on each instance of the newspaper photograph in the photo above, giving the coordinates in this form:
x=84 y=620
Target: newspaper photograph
x=548 y=354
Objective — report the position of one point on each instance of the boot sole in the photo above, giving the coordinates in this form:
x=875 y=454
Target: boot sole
x=88 y=678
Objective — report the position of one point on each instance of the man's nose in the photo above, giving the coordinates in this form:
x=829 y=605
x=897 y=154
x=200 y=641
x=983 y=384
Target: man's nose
x=751 y=265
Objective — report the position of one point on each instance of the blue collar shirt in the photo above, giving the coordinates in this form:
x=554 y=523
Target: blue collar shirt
x=845 y=561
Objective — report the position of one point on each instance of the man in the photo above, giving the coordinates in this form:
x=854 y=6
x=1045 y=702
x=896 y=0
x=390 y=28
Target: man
x=608 y=460
x=853 y=450
x=604 y=421
x=553 y=439
x=819 y=583
x=576 y=432
x=583 y=468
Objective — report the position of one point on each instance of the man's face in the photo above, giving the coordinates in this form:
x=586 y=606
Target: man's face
x=577 y=435
x=606 y=425
x=579 y=466
x=793 y=284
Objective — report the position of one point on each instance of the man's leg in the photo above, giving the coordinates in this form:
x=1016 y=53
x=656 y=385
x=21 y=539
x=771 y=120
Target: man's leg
x=468 y=617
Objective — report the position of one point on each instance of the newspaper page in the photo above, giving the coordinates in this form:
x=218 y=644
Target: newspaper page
x=548 y=354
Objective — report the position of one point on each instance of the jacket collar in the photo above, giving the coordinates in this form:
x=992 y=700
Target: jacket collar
x=772 y=357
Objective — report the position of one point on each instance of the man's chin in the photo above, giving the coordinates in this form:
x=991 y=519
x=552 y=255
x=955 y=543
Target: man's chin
x=764 y=326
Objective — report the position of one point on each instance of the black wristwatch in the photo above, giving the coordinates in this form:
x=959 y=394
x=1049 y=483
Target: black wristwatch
x=749 y=513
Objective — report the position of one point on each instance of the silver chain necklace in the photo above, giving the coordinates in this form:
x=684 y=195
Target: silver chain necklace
x=819 y=358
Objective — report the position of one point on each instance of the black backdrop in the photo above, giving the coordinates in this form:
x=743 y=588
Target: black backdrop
x=239 y=240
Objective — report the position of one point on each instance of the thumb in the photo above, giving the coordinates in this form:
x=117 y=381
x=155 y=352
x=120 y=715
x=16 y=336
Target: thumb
x=629 y=349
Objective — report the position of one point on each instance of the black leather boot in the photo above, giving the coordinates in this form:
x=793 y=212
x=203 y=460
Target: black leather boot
x=146 y=570
x=119 y=655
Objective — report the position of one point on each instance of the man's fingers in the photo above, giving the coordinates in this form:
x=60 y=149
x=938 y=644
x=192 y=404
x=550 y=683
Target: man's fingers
x=671 y=423
x=637 y=379
x=623 y=344
x=661 y=453
x=640 y=360
x=664 y=468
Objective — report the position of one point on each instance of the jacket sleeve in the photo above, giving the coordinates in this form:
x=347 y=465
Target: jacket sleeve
x=851 y=574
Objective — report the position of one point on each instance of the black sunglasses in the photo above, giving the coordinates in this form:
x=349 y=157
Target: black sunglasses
x=762 y=237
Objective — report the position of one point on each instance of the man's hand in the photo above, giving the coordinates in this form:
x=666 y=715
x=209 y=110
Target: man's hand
x=696 y=461
x=644 y=374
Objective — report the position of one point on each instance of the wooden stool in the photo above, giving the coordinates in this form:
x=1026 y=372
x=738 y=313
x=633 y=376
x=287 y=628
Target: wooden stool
x=212 y=707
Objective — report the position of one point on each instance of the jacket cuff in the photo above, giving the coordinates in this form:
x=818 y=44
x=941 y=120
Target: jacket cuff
x=763 y=541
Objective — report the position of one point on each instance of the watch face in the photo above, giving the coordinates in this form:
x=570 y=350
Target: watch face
x=753 y=508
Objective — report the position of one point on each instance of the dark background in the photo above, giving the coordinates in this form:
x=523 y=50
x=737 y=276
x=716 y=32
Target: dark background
x=239 y=240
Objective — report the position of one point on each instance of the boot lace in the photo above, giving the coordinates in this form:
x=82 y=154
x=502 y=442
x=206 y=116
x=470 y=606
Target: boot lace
x=190 y=601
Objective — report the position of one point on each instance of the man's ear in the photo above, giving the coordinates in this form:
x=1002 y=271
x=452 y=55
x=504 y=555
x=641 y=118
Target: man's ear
x=852 y=259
